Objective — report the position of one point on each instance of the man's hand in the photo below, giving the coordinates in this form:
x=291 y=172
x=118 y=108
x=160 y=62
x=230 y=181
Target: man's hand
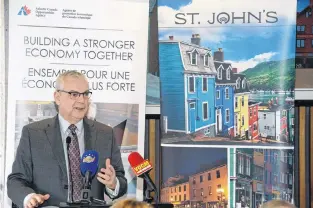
x=36 y=199
x=107 y=175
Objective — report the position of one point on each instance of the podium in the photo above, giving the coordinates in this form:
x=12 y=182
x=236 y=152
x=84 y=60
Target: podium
x=65 y=205
x=73 y=205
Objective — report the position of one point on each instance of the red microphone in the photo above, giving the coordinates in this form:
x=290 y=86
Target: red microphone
x=141 y=168
x=138 y=164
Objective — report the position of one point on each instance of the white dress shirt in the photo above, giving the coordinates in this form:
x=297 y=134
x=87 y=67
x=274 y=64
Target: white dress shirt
x=65 y=132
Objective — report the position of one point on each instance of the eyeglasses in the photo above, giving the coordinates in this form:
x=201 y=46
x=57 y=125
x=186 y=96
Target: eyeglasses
x=75 y=95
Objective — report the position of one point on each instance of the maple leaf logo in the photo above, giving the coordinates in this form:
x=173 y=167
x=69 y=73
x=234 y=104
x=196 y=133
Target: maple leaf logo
x=27 y=10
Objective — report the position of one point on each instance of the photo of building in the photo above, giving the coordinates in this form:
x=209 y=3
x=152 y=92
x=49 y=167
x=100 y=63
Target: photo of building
x=206 y=101
x=199 y=180
x=260 y=175
x=304 y=45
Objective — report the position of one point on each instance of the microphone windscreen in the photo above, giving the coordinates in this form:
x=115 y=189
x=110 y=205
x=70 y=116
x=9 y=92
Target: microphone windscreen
x=89 y=162
x=135 y=159
x=138 y=164
x=68 y=140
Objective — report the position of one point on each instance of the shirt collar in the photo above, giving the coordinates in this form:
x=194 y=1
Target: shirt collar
x=64 y=124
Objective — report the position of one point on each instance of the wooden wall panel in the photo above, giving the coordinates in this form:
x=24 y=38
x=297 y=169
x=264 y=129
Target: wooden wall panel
x=153 y=147
x=304 y=154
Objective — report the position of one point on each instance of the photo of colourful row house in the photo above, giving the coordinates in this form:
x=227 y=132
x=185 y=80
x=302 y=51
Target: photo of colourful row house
x=197 y=181
x=260 y=175
x=219 y=77
x=206 y=101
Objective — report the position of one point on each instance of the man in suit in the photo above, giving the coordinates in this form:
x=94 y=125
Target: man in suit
x=46 y=168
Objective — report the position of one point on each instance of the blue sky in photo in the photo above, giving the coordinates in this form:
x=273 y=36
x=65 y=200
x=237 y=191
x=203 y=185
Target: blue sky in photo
x=301 y=4
x=187 y=160
x=241 y=45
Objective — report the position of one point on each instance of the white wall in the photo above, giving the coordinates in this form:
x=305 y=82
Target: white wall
x=278 y=124
x=2 y=102
x=269 y=121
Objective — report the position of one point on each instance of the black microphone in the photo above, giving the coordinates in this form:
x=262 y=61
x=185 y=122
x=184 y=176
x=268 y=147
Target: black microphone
x=70 y=186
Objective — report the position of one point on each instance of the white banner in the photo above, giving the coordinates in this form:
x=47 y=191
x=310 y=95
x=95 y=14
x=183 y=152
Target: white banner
x=104 y=39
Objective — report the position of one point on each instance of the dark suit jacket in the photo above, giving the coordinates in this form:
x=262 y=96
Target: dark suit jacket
x=40 y=167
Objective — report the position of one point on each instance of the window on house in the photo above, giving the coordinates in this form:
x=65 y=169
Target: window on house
x=264 y=116
x=227 y=115
x=204 y=84
x=242 y=101
x=210 y=190
x=191 y=81
x=255 y=127
x=240 y=164
x=175 y=198
x=179 y=197
x=236 y=102
x=312 y=43
x=300 y=28
x=201 y=191
x=250 y=112
x=243 y=84
x=228 y=74
x=254 y=111
x=194 y=180
x=308 y=14
x=238 y=83
x=248 y=166
x=219 y=73
x=300 y=43
x=209 y=176
x=290 y=179
x=184 y=187
x=192 y=105
x=194 y=57
x=205 y=108
x=179 y=189
x=194 y=193
x=217 y=94
x=201 y=179
x=185 y=198
x=243 y=121
x=218 y=174
x=227 y=93
x=206 y=59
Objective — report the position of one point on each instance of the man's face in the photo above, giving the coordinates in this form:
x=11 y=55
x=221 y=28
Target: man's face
x=72 y=109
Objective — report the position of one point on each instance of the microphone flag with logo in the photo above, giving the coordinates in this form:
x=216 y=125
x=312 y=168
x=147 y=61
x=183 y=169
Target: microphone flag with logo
x=89 y=162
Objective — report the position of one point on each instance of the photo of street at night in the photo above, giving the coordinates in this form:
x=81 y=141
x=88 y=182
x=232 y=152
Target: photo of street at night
x=195 y=177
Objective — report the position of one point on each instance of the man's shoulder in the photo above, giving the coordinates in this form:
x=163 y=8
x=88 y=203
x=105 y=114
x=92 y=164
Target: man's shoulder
x=39 y=125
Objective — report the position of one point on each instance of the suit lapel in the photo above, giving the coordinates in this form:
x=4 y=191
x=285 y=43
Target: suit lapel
x=54 y=136
x=90 y=134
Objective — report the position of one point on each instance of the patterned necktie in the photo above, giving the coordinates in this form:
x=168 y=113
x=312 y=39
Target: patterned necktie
x=74 y=157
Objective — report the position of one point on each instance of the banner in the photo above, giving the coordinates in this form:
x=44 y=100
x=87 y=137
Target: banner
x=227 y=73
x=103 y=40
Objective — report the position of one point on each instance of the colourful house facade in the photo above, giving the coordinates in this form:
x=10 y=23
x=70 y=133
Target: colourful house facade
x=225 y=92
x=253 y=120
x=187 y=76
x=241 y=101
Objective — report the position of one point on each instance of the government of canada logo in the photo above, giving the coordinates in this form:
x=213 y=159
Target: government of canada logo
x=24 y=11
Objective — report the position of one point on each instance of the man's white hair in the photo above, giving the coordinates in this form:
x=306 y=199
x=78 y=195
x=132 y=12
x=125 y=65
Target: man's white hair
x=72 y=73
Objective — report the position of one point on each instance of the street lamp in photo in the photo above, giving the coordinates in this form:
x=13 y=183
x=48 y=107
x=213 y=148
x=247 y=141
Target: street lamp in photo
x=220 y=196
